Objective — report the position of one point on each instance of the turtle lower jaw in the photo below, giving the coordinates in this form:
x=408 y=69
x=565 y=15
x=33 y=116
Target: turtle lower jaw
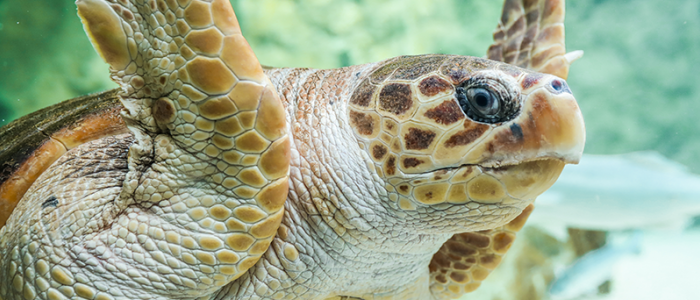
x=504 y=183
x=528 y=179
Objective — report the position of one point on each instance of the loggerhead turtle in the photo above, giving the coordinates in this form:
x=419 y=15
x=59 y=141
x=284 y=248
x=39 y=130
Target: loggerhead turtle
x=208 y=176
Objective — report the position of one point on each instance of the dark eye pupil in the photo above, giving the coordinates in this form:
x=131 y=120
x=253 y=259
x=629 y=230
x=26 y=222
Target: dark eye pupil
x=483 y=102
x=482 y=99
x=489 y=100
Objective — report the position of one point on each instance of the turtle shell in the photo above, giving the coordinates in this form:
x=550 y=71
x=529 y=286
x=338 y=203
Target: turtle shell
x=32 y=143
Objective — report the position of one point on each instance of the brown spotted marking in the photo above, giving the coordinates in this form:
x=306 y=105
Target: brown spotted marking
x=438 y=175
x=411 y=162
x=362 y=122
x=446 y=113
x=470 y=134
x=391 y=165
x=417 y=139
x=390 y=126
x=378 y=151
x=363 y=94
x=434 y=85
x=396 y=98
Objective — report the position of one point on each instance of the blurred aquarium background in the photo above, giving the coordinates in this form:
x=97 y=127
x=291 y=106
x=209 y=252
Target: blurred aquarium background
x=637 y=85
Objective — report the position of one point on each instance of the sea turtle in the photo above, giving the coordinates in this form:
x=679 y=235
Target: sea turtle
x=208 y=176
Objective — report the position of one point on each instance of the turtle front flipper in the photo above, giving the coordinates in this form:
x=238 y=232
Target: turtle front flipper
x=464 y=261
x=530 y=35
x=207 y=173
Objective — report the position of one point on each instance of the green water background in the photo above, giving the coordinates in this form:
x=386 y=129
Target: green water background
x=637 y=85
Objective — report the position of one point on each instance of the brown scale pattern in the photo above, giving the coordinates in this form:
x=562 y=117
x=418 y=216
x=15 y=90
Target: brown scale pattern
x=417 y=139
x=446 y=113
x=396 y=98
x=471 y=132
x=363 y=94
x=531 y=35
x=363 y=123
x=466 y=259
x=434 y=85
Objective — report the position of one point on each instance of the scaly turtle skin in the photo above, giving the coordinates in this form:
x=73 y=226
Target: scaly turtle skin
x=403 y=179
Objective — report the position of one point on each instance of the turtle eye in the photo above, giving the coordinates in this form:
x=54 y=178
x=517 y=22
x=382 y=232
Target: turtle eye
x=488 y=97
x=483 y=101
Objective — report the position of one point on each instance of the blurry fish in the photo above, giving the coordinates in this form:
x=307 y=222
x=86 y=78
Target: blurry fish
x=591 y=270
x=613 y=192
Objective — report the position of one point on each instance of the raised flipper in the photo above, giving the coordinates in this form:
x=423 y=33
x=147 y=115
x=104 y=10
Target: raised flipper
x=193 y=88
x=530 y=35
x=464 y=261
x=202 y=195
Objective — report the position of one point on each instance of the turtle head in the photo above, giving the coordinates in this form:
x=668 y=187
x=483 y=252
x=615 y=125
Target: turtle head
x=464 y=134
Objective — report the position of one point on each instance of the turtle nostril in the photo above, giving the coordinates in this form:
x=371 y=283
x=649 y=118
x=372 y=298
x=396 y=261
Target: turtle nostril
x=558 y=86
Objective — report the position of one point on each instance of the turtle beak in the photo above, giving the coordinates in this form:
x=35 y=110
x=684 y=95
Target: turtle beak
x=550 y=126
